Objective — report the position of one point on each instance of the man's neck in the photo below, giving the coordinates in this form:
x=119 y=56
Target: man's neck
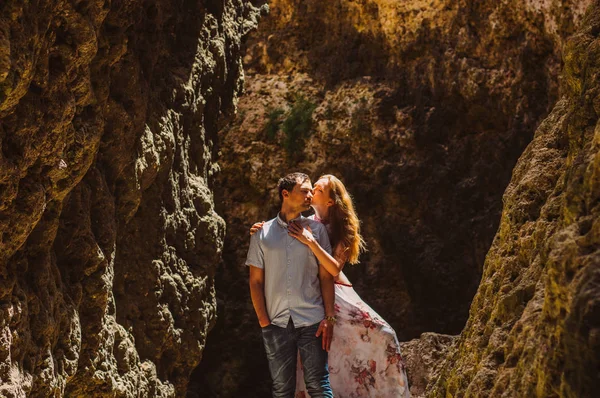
x=288 y=214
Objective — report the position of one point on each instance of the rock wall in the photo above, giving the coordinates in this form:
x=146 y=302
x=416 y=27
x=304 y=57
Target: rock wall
x=534 y=323
x=423 y=359
x=108 y=235
x=422 y=108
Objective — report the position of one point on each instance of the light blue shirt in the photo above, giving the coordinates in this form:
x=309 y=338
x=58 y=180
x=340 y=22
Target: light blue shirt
x=292 y=286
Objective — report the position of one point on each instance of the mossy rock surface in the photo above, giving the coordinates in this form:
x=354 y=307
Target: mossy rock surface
x=534 y=322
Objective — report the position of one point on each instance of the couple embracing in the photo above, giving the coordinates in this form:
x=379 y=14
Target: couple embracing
x=320 y=338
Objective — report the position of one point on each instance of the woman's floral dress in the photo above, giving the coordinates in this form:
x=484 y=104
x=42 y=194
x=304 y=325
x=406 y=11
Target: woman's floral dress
x=364 y=359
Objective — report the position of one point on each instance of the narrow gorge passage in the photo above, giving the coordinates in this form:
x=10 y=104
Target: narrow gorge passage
x=422 y=109
x=139 y=140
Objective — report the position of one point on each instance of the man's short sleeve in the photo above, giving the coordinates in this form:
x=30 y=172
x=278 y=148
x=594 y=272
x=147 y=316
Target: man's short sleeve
x=323 y=239
x=255 y=255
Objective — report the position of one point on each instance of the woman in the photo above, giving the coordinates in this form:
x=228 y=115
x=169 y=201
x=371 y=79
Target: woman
x=364 y=359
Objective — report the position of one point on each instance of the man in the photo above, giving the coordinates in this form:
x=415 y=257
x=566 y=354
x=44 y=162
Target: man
x=292 y=294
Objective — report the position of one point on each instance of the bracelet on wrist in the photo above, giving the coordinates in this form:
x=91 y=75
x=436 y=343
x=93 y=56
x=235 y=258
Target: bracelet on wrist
x=331 y=319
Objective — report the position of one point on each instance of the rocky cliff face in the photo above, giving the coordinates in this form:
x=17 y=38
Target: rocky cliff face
x=108 y=235
x=422 y=108
x=534 y=323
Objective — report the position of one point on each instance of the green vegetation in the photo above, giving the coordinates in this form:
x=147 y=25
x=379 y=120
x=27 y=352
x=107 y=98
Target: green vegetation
x=273 y=122
x=298 y=125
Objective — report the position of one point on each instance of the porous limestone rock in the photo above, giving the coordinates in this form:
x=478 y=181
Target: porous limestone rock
x=108 y=234
x=422 y=359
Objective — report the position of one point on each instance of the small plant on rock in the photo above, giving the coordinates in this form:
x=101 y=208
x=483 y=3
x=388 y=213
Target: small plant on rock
x=298 y=125
x=273 y=123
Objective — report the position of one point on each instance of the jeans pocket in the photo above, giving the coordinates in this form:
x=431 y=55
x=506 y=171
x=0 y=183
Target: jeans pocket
x=273 y=339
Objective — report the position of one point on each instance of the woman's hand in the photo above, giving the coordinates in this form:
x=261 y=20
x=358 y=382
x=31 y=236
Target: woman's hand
x=304 y=235
x=256 y=227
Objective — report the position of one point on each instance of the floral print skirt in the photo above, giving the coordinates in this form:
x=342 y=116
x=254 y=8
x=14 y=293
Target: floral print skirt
x=364 y=359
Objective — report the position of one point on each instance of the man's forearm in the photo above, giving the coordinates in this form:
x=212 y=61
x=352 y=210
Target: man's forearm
x=258 y=301
x=327 y=291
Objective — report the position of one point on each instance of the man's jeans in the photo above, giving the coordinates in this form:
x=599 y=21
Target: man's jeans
x=282 y=346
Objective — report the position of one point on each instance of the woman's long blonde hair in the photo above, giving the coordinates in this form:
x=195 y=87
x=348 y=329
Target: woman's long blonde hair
x=343 y=223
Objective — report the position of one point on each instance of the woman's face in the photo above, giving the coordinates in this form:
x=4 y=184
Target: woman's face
x=321 y=194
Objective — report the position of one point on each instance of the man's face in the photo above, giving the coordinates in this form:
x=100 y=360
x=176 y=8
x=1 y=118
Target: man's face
x=301 y=196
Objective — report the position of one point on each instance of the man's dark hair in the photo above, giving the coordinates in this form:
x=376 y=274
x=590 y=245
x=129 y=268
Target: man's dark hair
x=289 y=182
